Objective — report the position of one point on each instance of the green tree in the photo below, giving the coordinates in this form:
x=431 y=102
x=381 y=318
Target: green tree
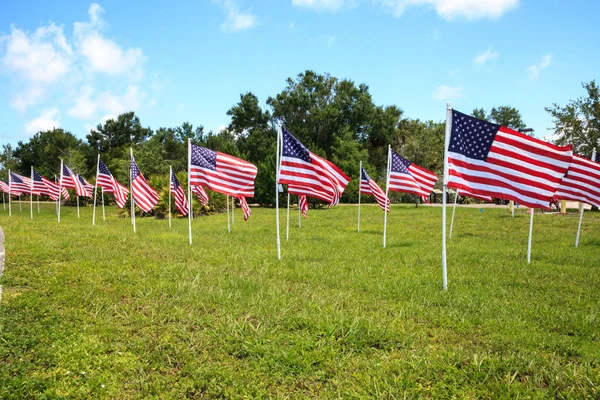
x=504 y=115
x=8 y=161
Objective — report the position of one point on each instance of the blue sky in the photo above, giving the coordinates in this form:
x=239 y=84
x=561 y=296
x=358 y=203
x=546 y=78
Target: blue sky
x=73 y=64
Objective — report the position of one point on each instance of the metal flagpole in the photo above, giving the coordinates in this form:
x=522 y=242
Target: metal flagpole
x=78 y=216
x=170 y=183
x=287 y=226
x=299 y=216
x=20 y=204
x=59 y=188
x=387 y=184
x=31 y=196
x=96 y=190
x=57 y=197
x=359 y=182
x=38 y=203
x=130 y=190
x=191 y=209
x=453 y=211
x=9 y=196
x=581 y=206
x=277 y=160
x=3 y=203
x=228 y=223
x=444 y=187
x=531 y=211
x=232 y=210
x=103 y=213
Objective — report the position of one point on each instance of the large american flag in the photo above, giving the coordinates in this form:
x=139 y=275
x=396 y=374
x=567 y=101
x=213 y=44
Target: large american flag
x=181 y=204
x=3 y=186
x=89 y=188
x=109 y=184
x=303 y=204
x=18 y=184
x=143 y=194
x=221 y=172
x=245 y=207
x=492 y=160
x=581 y=183
x=70 y=180
x=307 y=174
x=408 y=177
x=597 y=158
x=370 y=187
x=54 y=189
x=201 y=193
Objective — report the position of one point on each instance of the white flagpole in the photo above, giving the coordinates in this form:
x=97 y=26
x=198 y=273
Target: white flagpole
x=9 y=196
x=191 y=209
x=453 y=211
x=387 y=184
x=277 y=160
x=38 y=203
x=531 y=210
x=56 y=205
x=60 y=188
x=581 y=207
x=228 y=223
x=3 y=202
x=287 y=225
x=130 y=190
x=299 y=216
x=96 y=190
x=31 y=196
x=359 y=182
x=232 y=210
x=103 y=213
x=20 y=204
x=170 y=183
x=444 y=188
x=78 y=216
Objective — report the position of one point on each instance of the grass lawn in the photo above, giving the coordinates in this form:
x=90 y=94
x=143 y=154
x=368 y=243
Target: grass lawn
x=102 y=312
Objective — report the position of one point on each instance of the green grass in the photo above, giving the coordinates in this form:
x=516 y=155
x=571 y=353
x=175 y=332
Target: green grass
x=102 y=312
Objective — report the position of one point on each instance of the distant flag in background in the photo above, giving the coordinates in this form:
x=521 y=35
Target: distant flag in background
x=3 y=186
x=408 y=177
x=245 y=208
x=201 y=193
x=181 y=203
x=89 y=188
x=492 y=160
x=307 y=174
x=27 y=180
x=303 y=204
x=54 y=189
x=143 y=194
x=370 y=187
x=70 y=180
x=109 y=184
x=39 y=187
x=221 y=172
x=18 y=185
x=581 y=183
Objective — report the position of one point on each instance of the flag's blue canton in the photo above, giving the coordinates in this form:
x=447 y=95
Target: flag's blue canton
x=597 y=157
x=103 y=169
x=471 y=137
x=37 y=177
x=15 y=178
x=66 y=170
x=293 y=148
x=81 y=180
x=204 y=158
x=364 y=176
x=135 y=171
x=174 y=180
x=400 y=164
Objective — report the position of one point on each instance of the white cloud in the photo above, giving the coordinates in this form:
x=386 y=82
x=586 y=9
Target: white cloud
x=485 y=56
x=445 y=92
x=236 y=20
x=535 y=69
x=319 y=5
x=48 y=119
x=26 y=98
x=88 y=108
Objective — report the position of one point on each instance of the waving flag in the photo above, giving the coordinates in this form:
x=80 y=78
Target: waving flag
x=370 y=187
x=581 y=183
x=307 y=174
x=245 y=208
x=410 y=178
x=3 y=186
x=39 y=187
x=70 y=180
x=303 y=204
x=18 y=185
x=109 y=184
x=54 y=189
x=143 y=194
x=89 y=188
x=27 y=180
x=221 y=172
x=181 y=203
x=465 y=193
x=597 y=157
x=492 y=160
x=201 y=193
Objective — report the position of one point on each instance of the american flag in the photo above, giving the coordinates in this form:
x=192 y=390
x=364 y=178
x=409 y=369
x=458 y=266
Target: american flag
x=144 y=195
x=181 y=203
x=201 y=193
x=53 y=189
x=408 y=177
x=3 y=186
x=466 y=193
x=109 y=184
x=18 y=185
x=70 y=180
x=597 y=158
x=370 y=187
x=39 y=187
x=27 y=180
x=307 y=174
x=303 y=204
x=581 y=183
x=221 y=172
x=89 y=188
x=245 y=207
x=492 y=160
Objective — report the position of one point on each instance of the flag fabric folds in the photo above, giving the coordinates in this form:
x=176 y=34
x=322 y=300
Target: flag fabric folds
x=245 y=208
x=303 y=204
x=143 y=194
x=201 y=193
x=466 y=193
x=109 y=184
x=581 y=183
x=89 y=188
x=181 y=203
x=370 y=187
x=492 y=160
x=54 y=189
x=3 y=186
x=39 y=187
x=408 y=177
x=307 y=174
x=18 y=185
x=221 y=172
x=70 y=180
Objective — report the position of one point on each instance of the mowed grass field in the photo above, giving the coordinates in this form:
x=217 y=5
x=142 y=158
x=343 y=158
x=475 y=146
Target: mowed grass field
x=105 y=313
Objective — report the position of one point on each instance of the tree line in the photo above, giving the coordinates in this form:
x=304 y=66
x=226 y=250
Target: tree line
x=334 y=118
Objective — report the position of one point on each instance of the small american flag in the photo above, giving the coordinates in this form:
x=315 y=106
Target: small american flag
x=18 y=185
x=39 y=187
x=307 y=174
x=143 y=194
x=492 y=160
x=54 y=189
x=70 y=180
x=181 y=203
x=408 y=177
x=89 y=188
x=245 y=207
x=370 y=187
x=221 y=172
x=109 y=184
x=582 y=182
x=3 y=186
x=201 y=193
x=303 y=204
